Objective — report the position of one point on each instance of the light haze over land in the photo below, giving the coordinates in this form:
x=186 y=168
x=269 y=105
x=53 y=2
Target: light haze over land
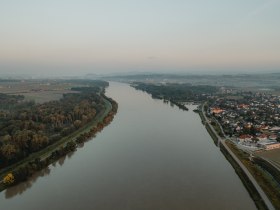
x=83 y=36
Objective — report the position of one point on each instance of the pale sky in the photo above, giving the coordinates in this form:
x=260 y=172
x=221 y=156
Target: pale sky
x=107 y=36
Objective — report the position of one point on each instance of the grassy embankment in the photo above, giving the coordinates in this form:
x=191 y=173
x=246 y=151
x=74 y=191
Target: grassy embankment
x=207 y=126
x=203 y=120
x=243 y=177
x=245 y=180
x=264 y=179
x=272 y=155
x=211 y=133
x=44 y=153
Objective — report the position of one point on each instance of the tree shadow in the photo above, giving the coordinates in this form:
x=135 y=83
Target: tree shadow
x=23 y=186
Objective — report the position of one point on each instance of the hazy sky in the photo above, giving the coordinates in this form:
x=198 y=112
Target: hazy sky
x=67 y=36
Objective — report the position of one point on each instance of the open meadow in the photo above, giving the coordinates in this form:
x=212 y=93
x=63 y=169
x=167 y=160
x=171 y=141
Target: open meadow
x=37 y=91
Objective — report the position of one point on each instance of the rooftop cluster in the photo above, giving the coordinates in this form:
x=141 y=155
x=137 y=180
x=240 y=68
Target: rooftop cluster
x=252 y=119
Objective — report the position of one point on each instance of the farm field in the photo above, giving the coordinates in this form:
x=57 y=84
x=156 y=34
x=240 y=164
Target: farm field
x=273 y=155
x=37 y=91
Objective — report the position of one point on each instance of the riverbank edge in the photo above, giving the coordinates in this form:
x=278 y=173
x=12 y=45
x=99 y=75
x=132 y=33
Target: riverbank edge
x=244 y=179
x=254 y=194
x=67 y=144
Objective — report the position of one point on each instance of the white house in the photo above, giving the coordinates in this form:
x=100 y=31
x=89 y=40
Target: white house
x=262 y=137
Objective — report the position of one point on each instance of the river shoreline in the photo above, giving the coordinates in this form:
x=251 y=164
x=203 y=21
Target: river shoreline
x=258 y=196
x=144 y=160
x=54 y=152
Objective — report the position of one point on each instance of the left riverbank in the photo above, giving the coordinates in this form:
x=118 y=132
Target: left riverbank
x=22 y=170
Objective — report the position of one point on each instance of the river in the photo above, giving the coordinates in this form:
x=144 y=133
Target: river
x=152 y=156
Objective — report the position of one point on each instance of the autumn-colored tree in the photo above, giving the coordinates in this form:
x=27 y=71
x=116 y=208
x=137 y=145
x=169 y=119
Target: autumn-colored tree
x=9 y=151
x=77 y=123
x=7 y=138
x=21 y=138
x=28 y=127
x=38 y=141
x=8 y=179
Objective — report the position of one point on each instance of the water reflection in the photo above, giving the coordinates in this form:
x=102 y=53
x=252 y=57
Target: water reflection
x=70 y=154
x=61 y=161
x=23 y=186
x=81 y=145
x=150 y=157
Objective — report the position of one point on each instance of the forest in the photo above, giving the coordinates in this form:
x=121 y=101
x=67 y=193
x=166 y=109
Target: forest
x=27 y=127
x=177 y=92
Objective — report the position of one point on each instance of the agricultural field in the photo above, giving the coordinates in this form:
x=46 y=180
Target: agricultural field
x=38 y=91
x=272 y=155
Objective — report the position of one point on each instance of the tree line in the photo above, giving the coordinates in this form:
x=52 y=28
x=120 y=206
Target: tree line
x=26 y=127
x=22 y=173
x=177 y=92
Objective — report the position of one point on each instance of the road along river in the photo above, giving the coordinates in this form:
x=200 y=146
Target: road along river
x=152 y=156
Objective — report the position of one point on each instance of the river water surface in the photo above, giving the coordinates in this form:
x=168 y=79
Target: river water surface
x=151 y=157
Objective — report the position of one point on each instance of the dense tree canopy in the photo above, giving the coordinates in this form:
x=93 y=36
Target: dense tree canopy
x=26 y=127
x=177 y=92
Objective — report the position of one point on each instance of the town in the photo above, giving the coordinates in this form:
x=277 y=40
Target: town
x=250 y=120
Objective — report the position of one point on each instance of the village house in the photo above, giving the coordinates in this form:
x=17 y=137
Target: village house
x=270 y=146
x=262 y=137
x=251 y=118
x=216 y=110
x=273 y=137
x=275 y=129
x=245 y=138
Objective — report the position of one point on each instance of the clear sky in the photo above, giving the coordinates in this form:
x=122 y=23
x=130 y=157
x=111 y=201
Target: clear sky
x=105 y=36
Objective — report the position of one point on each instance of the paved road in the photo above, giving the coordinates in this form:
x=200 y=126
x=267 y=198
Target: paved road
x=245 y=170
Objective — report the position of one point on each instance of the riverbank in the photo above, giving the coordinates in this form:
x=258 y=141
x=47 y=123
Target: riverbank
x=37 y=161
x=255 y=195
x=262 y=177
x=259 y=197
x=140 y=161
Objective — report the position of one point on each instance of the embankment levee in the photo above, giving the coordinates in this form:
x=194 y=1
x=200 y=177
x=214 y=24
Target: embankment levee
x=22 y=170
x=268 y=167
x=257 y=194
x=244 y=178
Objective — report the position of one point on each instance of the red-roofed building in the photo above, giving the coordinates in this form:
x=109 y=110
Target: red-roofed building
x=245 y=138
x=216 y=110
x=243 y=106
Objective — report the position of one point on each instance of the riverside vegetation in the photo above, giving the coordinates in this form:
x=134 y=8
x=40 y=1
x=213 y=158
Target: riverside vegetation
x=201 y=93
x=34 y=135
x=177 y=94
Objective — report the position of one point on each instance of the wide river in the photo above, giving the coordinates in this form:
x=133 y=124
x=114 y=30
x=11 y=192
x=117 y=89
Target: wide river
x=151 y=157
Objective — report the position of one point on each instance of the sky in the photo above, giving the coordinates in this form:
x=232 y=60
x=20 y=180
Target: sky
x=108 y=36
